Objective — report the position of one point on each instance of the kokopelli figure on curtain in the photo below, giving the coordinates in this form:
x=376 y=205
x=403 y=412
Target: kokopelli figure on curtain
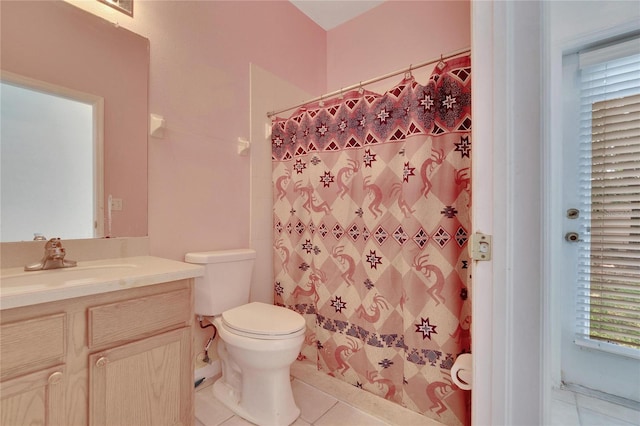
x=438 y=391
x=343 y=352
x=378 y=380
x=376 y=307
x=422 y=265
x=405 y=208
x=437 y=157
x=311 y=203
x=315 y=279
x=281 y=184
x=376 y=196
x=463 y=179
x=283 y=253
x=347 y=262
x=344 y=174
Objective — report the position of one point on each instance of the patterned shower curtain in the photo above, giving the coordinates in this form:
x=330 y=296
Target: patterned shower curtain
x=371 y=220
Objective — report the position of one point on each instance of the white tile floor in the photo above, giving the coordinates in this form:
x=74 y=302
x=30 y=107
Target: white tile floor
x=316 y=407
x=325 y=401
x=574 y=409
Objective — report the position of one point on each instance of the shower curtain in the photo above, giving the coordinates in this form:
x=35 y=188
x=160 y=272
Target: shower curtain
x=371 y=219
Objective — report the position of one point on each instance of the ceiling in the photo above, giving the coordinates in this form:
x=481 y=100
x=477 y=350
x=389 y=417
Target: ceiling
x=331 y=13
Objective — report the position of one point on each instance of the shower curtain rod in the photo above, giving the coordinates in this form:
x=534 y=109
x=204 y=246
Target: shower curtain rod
x=373 y=80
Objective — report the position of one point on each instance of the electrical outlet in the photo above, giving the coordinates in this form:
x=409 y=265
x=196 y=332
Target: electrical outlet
x=116 y=204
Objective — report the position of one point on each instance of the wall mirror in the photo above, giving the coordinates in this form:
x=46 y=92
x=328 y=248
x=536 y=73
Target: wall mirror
x=60 y=45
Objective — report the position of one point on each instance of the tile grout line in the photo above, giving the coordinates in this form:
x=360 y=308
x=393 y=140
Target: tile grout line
x=326 y=412
x=575 y=405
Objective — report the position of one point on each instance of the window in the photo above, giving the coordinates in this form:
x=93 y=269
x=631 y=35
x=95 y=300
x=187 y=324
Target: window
x=609 y=169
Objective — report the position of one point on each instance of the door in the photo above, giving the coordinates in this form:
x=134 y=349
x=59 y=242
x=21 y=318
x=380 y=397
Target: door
x=148 y=382
x=36 y=398
x=588 y=364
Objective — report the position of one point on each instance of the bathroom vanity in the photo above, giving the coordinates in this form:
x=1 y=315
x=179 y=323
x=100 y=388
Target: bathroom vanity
x=106 y=343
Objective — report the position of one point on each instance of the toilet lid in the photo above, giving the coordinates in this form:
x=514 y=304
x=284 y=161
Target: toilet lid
x=264 y=320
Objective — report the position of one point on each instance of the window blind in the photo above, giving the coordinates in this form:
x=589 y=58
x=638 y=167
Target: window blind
x=609 y=176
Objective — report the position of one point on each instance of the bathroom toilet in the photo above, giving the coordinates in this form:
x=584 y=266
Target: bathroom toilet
x=258 y=342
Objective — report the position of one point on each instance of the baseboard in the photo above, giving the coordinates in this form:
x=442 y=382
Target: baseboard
x=614 y=399
x=208 y=370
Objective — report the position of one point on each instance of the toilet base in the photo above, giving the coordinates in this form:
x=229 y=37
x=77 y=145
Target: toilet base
x=225 y=394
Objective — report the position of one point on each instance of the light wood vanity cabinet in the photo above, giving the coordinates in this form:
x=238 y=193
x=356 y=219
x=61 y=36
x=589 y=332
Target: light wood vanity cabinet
x=142 y=380
x=141 y=383
x=119 y=358
x=32 y=354
x=33 y=399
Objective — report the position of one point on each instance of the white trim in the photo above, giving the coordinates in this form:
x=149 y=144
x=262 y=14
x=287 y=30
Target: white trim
x=98 y=176
x=49 y=88
x=609 y=53
x=482 y=218
x=598 y=345
x=551 y=204
x=506 y=197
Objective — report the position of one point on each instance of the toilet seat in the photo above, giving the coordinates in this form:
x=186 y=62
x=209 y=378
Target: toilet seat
x=262 y=321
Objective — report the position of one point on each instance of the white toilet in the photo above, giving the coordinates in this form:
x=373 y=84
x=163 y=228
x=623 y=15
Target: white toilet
x=258 y=342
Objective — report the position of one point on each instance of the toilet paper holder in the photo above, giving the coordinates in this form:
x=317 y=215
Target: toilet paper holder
x=462 y=371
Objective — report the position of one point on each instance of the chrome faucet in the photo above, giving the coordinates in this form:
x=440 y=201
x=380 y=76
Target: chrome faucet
x=53 y=257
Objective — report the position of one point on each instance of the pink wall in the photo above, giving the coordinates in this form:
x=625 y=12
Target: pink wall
x=199 y=81
x=394 y=35
x=200 y=55
x=59 y=44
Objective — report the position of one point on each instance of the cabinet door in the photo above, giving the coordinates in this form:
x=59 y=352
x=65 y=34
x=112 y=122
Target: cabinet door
x=33 y=399
x=148 y=382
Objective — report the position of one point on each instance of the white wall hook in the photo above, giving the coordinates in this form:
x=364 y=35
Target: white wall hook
x=156 y=126
x=243 y=146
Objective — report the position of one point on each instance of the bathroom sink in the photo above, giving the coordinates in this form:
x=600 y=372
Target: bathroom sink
x=62 y=276
x=21 y=288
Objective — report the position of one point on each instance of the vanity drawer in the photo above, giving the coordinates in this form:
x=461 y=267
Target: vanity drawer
x=132 y=319
x=31 y=345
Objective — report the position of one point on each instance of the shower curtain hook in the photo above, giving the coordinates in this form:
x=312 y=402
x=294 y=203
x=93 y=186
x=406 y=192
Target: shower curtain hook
x=321 y=101
x=361 y=89
x=441 y=63
x=341 y=94
x=408 y=74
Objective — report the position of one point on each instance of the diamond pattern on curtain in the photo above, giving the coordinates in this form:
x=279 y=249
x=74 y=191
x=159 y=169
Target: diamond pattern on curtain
x=371 y=217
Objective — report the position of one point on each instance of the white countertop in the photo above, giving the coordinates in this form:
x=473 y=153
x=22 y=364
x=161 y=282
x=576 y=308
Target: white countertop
x=19 y=288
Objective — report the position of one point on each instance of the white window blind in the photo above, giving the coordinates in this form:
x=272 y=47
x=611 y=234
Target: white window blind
x=609 y=247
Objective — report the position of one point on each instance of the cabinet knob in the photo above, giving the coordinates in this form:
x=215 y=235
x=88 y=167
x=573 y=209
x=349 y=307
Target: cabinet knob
x=101 y=362
x=55 y=378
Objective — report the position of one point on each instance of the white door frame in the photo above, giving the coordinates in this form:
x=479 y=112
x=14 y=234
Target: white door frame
x=507 y=203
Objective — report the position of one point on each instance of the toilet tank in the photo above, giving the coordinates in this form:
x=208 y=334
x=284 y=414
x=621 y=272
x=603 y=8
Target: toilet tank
x=226 y=281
